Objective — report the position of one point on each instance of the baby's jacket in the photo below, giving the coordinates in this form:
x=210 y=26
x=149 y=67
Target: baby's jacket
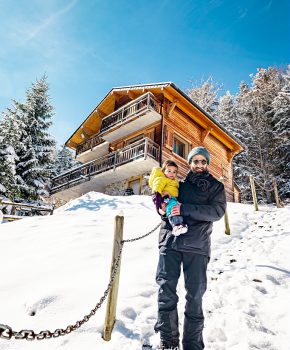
x=160 y=183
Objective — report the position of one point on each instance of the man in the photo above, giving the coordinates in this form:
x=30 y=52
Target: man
x=203 y=201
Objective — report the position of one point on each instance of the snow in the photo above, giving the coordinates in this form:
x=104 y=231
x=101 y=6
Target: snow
x=56 y=268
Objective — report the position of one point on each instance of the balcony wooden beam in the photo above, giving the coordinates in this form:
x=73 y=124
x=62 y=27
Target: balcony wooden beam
x=205 y=133
x=87 y=132
x=72 y=144
x=172 y=105
x=132 y=95
x=100 y=113
x=230 y=155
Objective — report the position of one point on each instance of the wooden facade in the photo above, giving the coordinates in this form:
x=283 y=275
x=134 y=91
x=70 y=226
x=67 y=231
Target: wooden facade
x=136 y=127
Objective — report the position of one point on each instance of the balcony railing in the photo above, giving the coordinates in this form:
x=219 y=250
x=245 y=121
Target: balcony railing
x=89 y=144
x=130 y=110
x=141 y=149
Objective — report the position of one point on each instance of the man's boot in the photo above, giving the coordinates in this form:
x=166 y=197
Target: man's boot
x=192 y=335
x=172 y=344
x=167 y=326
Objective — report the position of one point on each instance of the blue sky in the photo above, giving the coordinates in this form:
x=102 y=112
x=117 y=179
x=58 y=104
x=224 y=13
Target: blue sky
x=86 y=47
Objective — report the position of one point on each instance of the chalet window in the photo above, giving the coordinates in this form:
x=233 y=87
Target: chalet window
x=180 y=147
x=134 y=139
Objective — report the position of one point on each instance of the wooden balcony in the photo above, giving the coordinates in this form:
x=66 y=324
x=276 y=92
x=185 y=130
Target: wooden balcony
x=135 y=159
x=134 y=116
x=91 y=149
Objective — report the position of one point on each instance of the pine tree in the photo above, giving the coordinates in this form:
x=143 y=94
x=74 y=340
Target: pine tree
x=226 y=113
x=12 y=133
x=255 y=110
x=205 y=95
x=38 y=159
x=64 y=160
x=281 y=128
x=7 y=169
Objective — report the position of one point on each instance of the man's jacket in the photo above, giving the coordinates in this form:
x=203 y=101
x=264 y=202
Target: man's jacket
x=160 y=183
x=203 y=201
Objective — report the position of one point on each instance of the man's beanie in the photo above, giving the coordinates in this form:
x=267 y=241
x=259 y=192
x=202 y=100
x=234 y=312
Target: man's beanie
x=199 y=150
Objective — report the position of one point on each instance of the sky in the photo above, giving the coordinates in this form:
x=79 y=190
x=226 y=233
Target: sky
x=56 y=268
x=87 y=47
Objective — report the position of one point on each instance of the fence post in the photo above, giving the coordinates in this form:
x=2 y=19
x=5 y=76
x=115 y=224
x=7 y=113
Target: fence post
x=226 y=217
x=254 y=193
x=278 y=203
x=113 y=294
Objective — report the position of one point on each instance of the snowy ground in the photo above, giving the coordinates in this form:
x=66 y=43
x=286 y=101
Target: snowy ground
x=56 y=268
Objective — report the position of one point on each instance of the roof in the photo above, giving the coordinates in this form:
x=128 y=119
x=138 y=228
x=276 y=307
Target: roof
x=159 y=86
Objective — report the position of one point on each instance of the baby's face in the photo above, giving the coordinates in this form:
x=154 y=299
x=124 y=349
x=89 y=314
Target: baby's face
x=170 y=172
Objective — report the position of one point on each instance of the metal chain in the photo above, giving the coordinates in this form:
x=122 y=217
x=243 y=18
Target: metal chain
x=6 y=332
x=140 y=237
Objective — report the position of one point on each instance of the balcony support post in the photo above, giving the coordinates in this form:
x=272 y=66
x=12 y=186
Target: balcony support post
x=146 y=148
x=115 y=160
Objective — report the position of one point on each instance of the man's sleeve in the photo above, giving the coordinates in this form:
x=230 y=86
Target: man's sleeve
x=207 y=212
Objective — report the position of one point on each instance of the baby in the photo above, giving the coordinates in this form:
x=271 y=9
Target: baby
x=164 y=184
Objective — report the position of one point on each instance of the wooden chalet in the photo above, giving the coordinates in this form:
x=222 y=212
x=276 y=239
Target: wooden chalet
x=135 y=128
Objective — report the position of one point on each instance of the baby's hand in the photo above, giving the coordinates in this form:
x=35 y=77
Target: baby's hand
x=161 y=212
x=163 y=207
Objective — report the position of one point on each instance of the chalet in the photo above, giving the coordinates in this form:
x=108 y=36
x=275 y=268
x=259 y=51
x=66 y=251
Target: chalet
x=135 y=128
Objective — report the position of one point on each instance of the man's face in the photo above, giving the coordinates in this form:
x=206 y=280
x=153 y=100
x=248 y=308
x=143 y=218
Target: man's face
x=198 y=164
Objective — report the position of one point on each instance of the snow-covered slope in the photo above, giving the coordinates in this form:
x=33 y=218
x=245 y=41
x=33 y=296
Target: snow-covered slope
x=56 y=268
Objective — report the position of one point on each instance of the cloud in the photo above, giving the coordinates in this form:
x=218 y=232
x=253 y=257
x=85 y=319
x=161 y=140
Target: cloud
x=243 y=13
x=268 y=6
x=49 y=20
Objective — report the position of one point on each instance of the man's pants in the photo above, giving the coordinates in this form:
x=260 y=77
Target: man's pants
x=168 y=272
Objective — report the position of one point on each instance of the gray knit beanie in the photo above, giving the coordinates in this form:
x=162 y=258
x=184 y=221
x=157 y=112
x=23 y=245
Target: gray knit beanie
x=199 y=150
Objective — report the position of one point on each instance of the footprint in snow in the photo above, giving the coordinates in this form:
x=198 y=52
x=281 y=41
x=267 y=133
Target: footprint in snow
x=41 y=304
x=129 y=312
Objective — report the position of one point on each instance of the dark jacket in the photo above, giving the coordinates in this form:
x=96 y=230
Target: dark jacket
x=203 y=201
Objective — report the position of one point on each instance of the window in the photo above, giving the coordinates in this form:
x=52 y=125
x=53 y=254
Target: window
x=135 y=185
x=180 y=147
x=134 y=139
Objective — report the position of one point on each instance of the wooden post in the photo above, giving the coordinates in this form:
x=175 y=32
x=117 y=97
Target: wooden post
x=278 y=203
x=254 y=193
x=113 y=294
x=227 y=224
x=226 y=217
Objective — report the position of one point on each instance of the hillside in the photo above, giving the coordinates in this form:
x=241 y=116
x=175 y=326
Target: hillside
x=56 y=268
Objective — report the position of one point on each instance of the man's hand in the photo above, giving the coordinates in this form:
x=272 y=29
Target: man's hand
x=176 y=210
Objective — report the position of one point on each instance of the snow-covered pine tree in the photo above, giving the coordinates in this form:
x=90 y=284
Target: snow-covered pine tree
x=7 y=169
x=37 y=161
x=281 y=131
x=64 y=160
x=255 y=110
x=226 y=113
x=205 y=95
x=12 y=131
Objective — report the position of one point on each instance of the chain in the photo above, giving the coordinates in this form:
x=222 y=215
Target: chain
x=6 y=332
x=140 y=237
